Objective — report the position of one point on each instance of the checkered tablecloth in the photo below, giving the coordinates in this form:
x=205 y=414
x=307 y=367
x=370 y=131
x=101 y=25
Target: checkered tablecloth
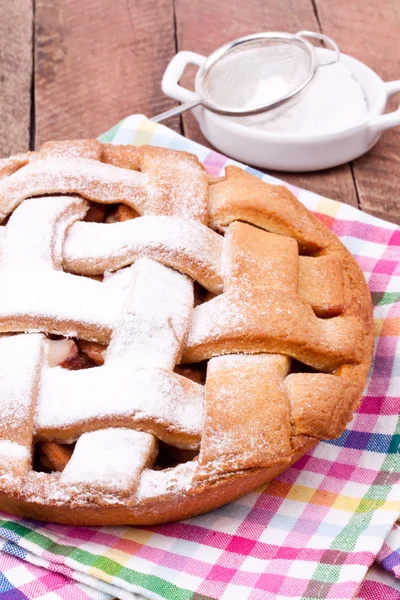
x=317 y=532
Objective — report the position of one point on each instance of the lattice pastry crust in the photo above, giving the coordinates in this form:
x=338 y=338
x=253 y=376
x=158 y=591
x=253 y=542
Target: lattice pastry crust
x=226 y=328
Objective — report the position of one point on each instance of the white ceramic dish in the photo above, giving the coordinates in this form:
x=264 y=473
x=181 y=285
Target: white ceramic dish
x=285 y=151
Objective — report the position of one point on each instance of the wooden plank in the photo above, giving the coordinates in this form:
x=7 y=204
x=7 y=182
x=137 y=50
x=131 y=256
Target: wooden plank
x=370 y=32
x=204 y=25
x=15 y=75
x=336 y=183
x=99 y=62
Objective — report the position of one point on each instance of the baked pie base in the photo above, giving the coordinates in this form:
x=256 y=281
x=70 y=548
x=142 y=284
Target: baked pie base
x=101 y=244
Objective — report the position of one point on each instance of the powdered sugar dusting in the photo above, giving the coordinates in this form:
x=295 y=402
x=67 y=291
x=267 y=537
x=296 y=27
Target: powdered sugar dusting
x=151 y=331
x=46 y=488
x=35 y=296
x=59 y=303
x=88 y=178
x=13 y=163
x=178 y=185
x=109 y=460
x=213 y=318
x=190 y=247
x=154 y=484
x=120 y=279
x=155 y=398
x=154 y=324
x=145 y=311
x=13 y=450
x=25 y=246
x=20 y=360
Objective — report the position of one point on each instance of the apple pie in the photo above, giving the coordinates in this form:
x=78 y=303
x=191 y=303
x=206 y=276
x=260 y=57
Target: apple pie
x=169 y=341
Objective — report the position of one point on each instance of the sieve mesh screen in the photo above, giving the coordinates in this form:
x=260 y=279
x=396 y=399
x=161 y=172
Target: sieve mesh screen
x=256 y=73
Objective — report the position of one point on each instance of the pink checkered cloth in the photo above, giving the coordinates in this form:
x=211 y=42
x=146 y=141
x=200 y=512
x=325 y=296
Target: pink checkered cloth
x=21 y=580
x=313 y=533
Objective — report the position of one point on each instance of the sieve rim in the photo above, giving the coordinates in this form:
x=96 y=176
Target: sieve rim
x=270 y=35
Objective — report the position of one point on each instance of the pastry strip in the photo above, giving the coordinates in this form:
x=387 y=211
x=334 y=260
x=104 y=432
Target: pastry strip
x=168 y=183
x=179 y=185
x=261 y=310
x=276 y=265
x=273 y=323
x=245 y=197
x=88 y=178
x=10 y=165
x=124 y=156
x=59 y=303
x=118 y=395
x=255 y=259
x=21 y=357
x=38 y=248
x=153 y=325
x=136 y=386
x=108 y=462
x=321 y=405
x=36 y=294
x=189 y=247
x=321 y=284
x=247 y=415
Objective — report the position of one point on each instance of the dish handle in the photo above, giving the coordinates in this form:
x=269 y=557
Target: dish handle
x=170 y=82
x=392 y=119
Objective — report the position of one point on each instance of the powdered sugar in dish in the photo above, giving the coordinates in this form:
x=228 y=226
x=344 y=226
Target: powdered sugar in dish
x=332 y=102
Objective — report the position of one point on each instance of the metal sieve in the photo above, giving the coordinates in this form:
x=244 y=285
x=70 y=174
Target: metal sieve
x=255 y=74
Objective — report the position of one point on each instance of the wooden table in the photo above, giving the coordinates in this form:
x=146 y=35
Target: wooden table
x=73 y=68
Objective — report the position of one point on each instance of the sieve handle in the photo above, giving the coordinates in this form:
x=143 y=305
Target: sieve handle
x=175 y=111
x=323 y=38
x=170 y=84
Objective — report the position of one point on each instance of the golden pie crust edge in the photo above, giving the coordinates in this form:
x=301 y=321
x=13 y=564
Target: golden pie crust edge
x=172 y=507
